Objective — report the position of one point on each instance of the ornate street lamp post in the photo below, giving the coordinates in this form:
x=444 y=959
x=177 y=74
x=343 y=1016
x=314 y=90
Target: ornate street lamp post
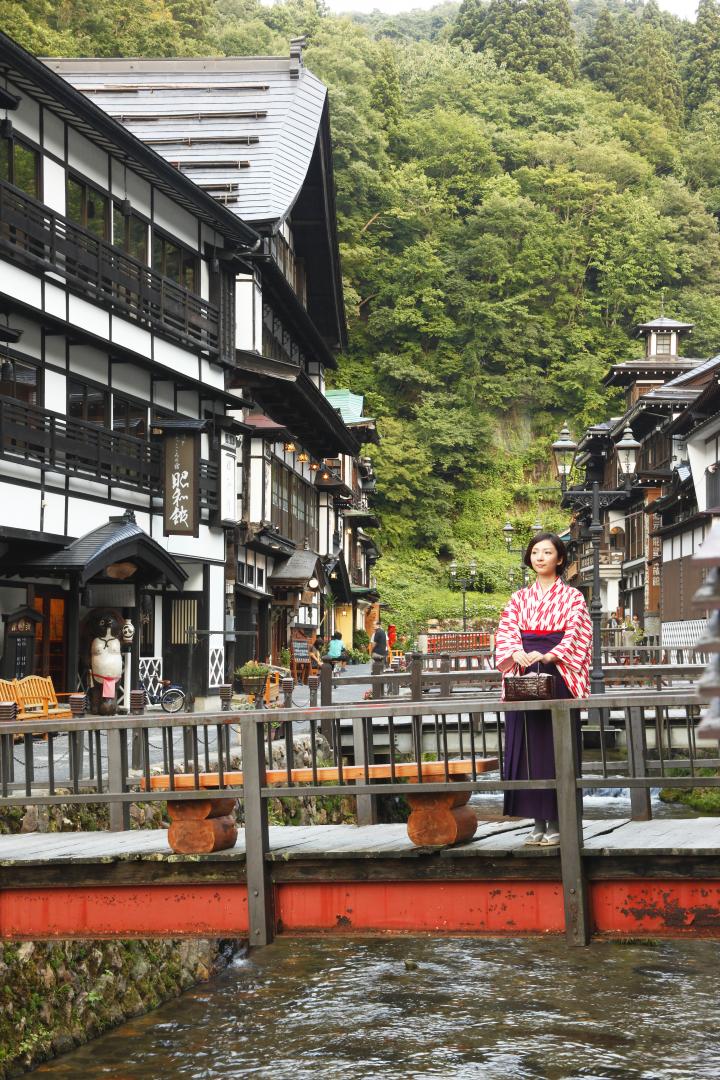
x=595 y=500
x=465 y=582
x=508 y=533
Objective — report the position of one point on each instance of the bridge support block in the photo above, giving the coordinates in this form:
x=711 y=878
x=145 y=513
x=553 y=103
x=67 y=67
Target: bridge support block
x=200 y=826
x=439 y=819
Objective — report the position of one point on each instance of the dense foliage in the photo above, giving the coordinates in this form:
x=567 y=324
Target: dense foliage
x=515 y=189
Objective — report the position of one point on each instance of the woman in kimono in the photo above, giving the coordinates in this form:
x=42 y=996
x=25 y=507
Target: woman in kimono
x=545 y=627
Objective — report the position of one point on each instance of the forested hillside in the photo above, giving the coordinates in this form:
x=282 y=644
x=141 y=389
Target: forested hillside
x=516 y=187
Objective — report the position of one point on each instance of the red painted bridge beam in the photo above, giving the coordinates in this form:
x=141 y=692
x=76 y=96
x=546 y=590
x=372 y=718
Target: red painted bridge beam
x=647 y=907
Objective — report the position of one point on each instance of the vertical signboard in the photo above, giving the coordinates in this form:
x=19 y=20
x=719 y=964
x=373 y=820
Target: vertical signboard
x=228 y=479
x=181 y=483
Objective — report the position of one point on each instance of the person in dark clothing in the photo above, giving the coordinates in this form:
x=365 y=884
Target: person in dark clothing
x=378 y=643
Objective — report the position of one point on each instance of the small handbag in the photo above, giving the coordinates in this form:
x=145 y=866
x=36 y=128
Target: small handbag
x=535 y=686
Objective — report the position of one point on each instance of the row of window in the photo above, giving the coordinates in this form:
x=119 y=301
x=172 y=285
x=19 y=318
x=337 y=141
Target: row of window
x=92 y=209
x=21 y=381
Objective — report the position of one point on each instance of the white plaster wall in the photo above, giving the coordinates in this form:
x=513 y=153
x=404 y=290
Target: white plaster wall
x=84 y=515
x=256 y=481
x=53 y=185
x=187 y=403
x=175 y=220
x=53 y=133
x=56 y=303
x=19 y=506
x=31 y=343
x=55 y=392
x=26 y=118
x=131 y=336
x=90 y=362
x=212 y=374
x=87 y=159
x=54 y=517
x=164 y=394
x=20 y=285
x=88 y=317
x=55 y=348
x=131 y=379
x=176 y=359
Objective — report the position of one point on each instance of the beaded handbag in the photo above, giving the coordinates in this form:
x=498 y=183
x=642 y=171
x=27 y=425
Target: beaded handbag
x=535 y=686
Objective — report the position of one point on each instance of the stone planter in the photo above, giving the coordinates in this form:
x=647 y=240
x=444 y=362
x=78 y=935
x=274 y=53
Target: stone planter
x=254 y=685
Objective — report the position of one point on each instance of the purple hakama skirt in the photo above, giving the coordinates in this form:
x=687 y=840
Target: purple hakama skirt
x=539 y=752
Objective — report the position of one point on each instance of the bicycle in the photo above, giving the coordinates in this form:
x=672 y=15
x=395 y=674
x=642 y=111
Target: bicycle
x=169 y=696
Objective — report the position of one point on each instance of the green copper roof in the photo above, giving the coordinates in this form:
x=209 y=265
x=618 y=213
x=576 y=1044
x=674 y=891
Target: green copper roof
x=349 y=404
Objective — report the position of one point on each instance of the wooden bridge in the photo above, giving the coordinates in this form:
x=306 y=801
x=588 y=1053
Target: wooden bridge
x=631 y=876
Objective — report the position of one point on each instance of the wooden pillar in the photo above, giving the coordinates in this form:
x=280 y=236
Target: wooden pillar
x=569 y=797
x=416 y=676
x=261 y=914
x=73 y=625
x=640 y=801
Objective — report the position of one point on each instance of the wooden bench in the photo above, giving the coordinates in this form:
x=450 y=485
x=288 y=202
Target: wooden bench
x=35 y=697
x=436 y=819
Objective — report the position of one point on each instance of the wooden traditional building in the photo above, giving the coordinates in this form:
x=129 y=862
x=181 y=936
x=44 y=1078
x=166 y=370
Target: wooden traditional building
x=651 y=533
x=253 y=134
x=115 y=353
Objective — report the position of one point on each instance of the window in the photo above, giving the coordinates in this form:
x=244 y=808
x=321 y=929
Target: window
x=19 y=381
x=175 y=262
x=89 y=403
x=129 y=418
x=241 y=572
x=293 y=505
x=250 y=574
x=259 y=577
x=88 y=207
x=662 y=344
x=20 y=165
x=130 y=233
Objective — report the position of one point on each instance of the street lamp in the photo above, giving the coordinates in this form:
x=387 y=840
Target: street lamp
x=595 y=500
x=508 y=533
x=465 y=582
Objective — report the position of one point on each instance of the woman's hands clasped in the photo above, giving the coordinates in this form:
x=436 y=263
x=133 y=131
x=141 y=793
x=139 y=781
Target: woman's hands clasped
x=524 y=660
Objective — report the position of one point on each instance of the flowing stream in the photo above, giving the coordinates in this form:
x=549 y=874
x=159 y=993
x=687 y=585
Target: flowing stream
x=497 y=1009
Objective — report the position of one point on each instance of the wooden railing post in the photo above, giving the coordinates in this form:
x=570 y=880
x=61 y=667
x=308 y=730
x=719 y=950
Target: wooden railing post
x=569 y=797
x=378 y=683
x=261 y=915
x=416 y=676
x=326 y=689
x=116 y=781
x=367 y=810
x=446 y=682
x=640 y=801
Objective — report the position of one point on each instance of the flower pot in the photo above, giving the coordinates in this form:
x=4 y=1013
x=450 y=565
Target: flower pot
x=253 y=684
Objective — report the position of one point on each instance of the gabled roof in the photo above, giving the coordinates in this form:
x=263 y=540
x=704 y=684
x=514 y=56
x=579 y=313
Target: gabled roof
x=120 y=539
x=244 y=124
x=297 y=571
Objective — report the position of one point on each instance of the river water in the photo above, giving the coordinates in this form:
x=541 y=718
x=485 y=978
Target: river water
x=497 y=1009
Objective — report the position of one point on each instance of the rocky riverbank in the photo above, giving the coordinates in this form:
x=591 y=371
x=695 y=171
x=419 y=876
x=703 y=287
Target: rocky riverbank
x=55 y=996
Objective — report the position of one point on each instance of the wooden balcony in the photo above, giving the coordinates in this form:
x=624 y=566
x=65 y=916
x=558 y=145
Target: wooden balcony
x=30 y=436
x=36 y=238
x=293 y=269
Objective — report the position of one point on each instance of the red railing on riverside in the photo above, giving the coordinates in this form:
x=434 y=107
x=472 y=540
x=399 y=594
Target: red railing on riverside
x=457 y=642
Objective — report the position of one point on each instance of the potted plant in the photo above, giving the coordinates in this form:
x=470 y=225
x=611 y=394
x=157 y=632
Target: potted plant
x=253 y=677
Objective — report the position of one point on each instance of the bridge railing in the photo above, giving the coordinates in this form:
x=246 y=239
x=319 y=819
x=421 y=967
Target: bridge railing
x=113 y=761
x=444 y=677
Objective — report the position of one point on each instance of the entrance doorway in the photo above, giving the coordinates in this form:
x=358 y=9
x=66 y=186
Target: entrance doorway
x=51 y=635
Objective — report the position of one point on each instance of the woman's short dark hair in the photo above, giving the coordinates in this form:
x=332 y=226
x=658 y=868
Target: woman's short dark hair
x=337 y=636
x=556 y=542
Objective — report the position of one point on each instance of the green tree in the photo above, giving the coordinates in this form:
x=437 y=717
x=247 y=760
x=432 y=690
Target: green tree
x=523 y=35
x=604 y=53
x=652 y=76
x=702 y=79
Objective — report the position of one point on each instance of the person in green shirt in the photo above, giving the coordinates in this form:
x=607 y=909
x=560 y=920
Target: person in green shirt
x=336 y=651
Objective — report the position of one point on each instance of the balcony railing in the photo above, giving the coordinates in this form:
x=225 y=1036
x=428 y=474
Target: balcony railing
x=30 y=436
x=293 y=268
x=607 y=558
x=38 y=238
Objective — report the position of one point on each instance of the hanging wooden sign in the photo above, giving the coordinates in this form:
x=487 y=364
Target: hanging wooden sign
x=181 y=484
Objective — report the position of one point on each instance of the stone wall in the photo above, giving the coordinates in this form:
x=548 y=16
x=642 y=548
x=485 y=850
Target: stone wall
x=55 y=996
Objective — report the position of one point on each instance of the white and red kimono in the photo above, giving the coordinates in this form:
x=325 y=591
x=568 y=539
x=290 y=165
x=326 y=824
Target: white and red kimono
x=562 y=609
